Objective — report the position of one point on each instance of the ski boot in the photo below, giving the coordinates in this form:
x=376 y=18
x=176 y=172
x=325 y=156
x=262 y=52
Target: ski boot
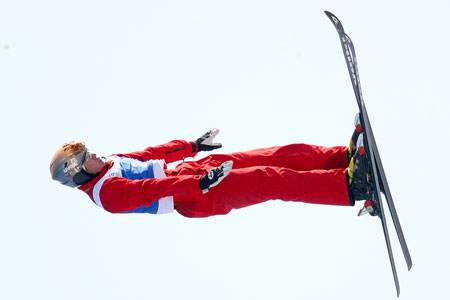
x=358 y=130
x=359 y=179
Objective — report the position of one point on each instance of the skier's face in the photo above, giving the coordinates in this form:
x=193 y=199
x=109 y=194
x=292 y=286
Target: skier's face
x=93 y=164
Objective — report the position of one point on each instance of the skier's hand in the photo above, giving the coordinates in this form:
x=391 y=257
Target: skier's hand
x=215 y=176
x=205 y=142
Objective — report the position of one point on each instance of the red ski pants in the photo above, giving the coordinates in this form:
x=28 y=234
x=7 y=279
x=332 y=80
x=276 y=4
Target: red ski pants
x=297 y=172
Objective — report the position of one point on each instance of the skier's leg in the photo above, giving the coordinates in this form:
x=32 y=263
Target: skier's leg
x=248 y=186
x=301 y=157
x=252 y=185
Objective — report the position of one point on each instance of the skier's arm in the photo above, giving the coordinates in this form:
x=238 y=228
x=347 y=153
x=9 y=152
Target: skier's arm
x=120 y=194
x=170 y=152
x=177 y=149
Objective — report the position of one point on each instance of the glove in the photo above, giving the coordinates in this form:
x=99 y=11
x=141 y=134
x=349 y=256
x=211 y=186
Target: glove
x=215 y=176
x=205 y=142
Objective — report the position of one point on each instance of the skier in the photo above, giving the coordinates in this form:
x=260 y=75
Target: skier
x=140 y=182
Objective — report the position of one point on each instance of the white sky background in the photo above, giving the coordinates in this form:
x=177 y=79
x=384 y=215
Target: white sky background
x=126 y=75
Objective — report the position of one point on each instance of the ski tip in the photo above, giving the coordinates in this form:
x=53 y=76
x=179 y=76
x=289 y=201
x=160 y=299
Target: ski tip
x=334 y=20
x=328 y=13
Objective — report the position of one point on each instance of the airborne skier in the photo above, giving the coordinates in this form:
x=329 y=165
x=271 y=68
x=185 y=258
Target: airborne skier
x=140 y=182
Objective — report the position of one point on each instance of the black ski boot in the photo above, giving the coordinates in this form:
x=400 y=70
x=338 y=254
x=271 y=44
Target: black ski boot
x=359 y=179
x=358 y=130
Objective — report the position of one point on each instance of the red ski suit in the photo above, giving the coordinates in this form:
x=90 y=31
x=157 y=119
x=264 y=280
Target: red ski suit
x=296 y=172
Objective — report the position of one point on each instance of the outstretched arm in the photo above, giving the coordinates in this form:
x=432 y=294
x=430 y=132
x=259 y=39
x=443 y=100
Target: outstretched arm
x=120 y=194
x=170 y=152
x=177 y=149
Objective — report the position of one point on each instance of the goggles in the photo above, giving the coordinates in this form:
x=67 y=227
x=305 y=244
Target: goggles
x=75 y=163
x=74 y=168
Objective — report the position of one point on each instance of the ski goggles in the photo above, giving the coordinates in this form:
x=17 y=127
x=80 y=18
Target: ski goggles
x=74 y=164
x=81 y=176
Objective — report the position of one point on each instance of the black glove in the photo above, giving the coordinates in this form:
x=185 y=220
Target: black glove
x=205 y=142
x=215 y=176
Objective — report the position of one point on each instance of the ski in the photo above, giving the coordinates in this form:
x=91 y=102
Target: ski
x=380 y=181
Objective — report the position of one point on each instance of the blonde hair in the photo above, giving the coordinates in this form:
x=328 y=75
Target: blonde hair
x=73 y=147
